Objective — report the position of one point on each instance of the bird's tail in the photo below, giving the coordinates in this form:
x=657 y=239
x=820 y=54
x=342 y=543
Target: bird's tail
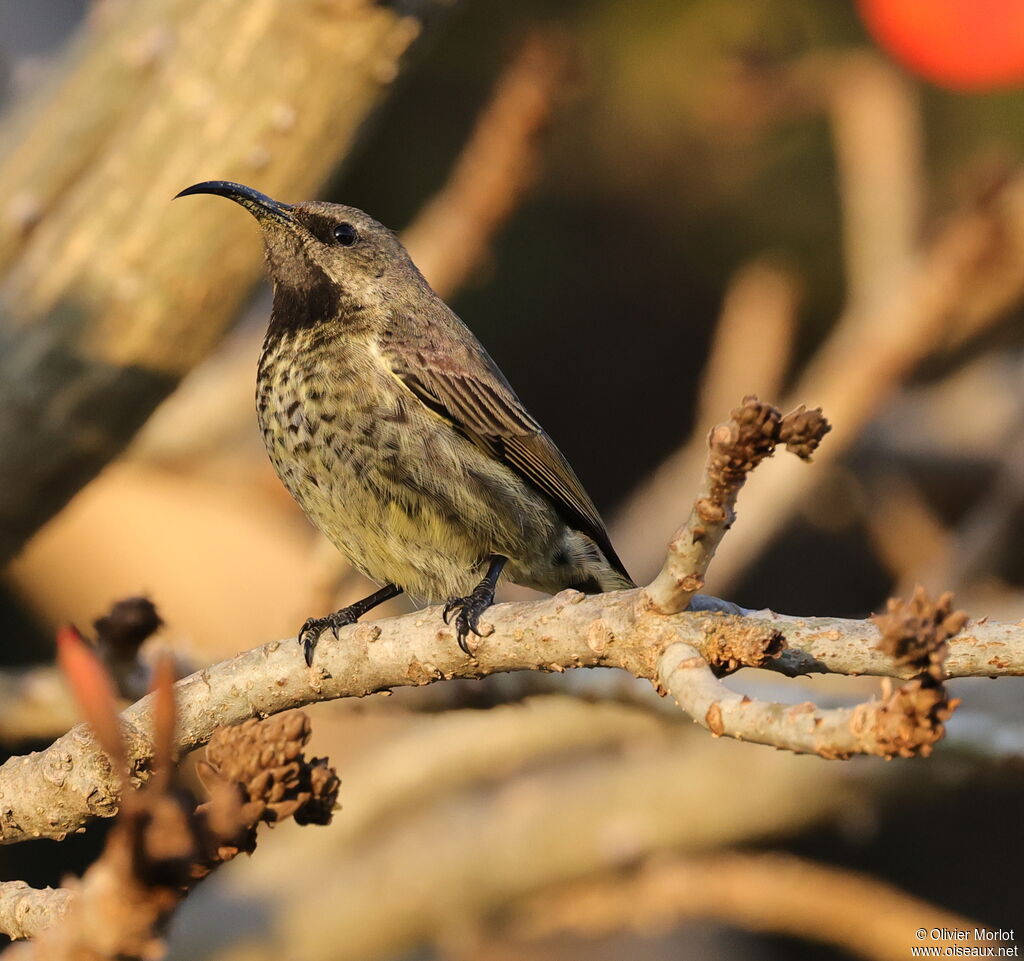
x=603 y=574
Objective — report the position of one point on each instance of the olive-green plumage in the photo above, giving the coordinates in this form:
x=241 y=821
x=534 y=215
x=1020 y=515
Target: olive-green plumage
x=398 y=435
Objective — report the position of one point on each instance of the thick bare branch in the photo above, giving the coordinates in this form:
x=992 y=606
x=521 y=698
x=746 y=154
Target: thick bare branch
x=906 y=722
x=835 y=645
x=162 y=845
x=57 y=791
x=25 y=912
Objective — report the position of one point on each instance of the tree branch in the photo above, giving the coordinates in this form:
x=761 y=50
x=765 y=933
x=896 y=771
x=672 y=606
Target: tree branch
x=163 y=844
x=25 y=912
x=452 y=233
x=57 y=791
x=776 y=893
x=736 y=448
x=34 y=704
x=907 y=721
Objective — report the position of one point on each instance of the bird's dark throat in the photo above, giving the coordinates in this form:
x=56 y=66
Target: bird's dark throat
x=303 y=307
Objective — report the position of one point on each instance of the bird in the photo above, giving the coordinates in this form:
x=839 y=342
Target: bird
x=397 y=434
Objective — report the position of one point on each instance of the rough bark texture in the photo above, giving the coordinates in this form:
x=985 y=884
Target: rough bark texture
x=56 y=791
x=25 y=912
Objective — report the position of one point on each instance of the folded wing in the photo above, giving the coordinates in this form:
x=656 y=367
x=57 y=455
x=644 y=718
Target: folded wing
x=487 y=412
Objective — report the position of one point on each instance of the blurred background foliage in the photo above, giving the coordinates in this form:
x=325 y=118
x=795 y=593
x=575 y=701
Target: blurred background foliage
x=688 y=139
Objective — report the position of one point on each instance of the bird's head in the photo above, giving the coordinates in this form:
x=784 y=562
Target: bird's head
x=310 y=243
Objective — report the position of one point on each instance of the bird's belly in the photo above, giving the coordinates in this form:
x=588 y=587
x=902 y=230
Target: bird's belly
x=395 y=490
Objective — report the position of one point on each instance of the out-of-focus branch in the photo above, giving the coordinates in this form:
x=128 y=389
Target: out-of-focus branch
x=452 y=233
x=907 y=298
x=872 y=349
x=773 y=893
x=444 y=752
x=908 y=538
x=34 y=704
x=879 y=147
x=753 y=340
x=92 y=253
x=982 y=533
x=560 y=819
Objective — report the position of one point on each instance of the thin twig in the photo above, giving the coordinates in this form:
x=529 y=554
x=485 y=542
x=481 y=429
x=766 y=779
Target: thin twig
x=735 y=449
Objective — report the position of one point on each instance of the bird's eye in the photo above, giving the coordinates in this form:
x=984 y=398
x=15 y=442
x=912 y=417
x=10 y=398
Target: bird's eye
x=346 y=235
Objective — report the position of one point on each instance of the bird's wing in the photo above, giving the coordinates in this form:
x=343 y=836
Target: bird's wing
x=485 y=409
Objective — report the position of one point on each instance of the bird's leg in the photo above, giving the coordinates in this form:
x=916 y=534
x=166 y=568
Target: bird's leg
x=474 y=604
x=315 y=626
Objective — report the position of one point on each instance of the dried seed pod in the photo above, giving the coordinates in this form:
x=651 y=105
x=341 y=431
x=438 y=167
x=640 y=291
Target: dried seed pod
x=121 y=631
x=915 y=632
x=802 y=431
x=256 y=771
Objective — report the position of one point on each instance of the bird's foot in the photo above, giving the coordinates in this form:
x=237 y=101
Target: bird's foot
x=467 y=611
x=315 y=626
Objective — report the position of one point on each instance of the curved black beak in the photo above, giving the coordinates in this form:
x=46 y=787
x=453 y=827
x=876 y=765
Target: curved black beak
x=259 y=205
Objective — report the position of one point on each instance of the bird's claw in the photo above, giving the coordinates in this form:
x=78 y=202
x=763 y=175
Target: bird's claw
x=446 y=611
x=467 y=611
x=315 y=626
